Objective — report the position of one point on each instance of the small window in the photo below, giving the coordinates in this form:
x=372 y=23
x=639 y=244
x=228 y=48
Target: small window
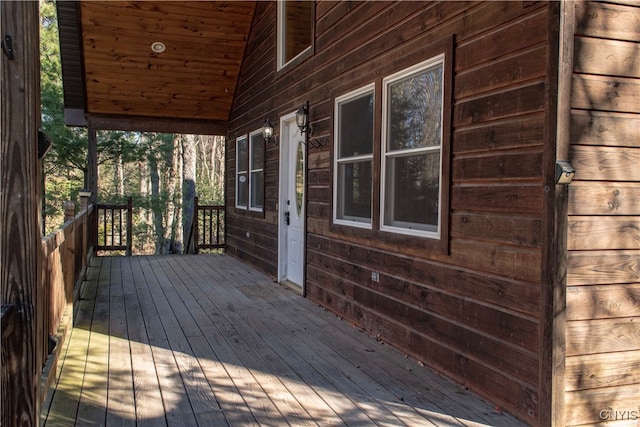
x=295 y=29
x=412 y=135
x=353 y=167
x=242 y=172
x=256 y=171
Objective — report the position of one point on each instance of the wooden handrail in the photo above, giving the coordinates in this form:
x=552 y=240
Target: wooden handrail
x=113 y=237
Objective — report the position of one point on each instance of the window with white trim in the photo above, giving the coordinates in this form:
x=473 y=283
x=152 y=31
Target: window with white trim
x=412 y=135
x=295 y=29
x=256 y=170
x=250 y=171
x=353 y=167
x=242 y=172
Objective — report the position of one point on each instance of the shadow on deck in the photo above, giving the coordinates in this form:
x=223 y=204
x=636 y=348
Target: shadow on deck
x=205 y=340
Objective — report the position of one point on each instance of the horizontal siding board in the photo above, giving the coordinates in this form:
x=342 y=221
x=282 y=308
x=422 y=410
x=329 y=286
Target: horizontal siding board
x=603 y=301
x=603 y=336
x=510 y=261
x=513 y=230
x=603 y=267
x=597 y=233
x=500 y=135
x=605 y=163
x=608 y=21
x=605 y=93
x=526 y=65
x=519 y=34
x=509 y=103
x=507 y=198
x=602 y=370
x=604 y=198
x=585 y=407
x=503 y=165
x=604 y=128
x=606 y=57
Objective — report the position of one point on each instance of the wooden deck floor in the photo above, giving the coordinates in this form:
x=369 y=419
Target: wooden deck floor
x=205 y=340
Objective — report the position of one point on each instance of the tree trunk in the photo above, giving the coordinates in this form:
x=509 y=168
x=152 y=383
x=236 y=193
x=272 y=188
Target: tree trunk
x=118 y=175
x=188 y=186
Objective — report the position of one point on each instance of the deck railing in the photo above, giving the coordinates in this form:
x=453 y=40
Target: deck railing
x=207 y=231
x=114 y=227
x=65 y=255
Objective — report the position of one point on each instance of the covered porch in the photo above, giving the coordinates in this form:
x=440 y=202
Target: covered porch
x=205 y=340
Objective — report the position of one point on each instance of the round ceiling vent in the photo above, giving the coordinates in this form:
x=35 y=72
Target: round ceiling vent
x=158 y=47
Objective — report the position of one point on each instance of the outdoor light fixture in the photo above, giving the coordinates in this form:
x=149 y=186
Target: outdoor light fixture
x=158 y=47
x=302 y=119
x=267 y=131
x=564 y=172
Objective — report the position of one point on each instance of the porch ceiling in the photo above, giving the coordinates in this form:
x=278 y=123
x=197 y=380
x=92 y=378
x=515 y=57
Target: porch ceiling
x=111 y=73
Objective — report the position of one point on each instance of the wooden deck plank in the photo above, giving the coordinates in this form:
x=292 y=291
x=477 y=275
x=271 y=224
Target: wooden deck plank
x=149 y=408
x=121 y=406
x=253 y=353
x=268 y=336
x=63 y=409
x=206 y=340
x=93 y=399
x=201 y=397
x=273 y=389
x=177 y=408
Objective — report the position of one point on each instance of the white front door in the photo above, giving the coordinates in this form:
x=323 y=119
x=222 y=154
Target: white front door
x=291 y=203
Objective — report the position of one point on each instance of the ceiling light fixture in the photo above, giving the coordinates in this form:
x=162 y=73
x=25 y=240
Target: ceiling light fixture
x=158 y=47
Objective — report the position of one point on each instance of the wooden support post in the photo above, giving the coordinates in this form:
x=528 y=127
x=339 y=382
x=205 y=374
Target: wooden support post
x=69 y=211
x=129 y=226
x=194 y=225
x=20 y=246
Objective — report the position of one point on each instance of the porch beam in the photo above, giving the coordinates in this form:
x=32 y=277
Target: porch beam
x=157 y=124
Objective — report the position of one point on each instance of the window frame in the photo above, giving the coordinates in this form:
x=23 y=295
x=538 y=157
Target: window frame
x=280 y=42
x=251 y=169
x=399 y=227
x=244 y=138
x=337 y=160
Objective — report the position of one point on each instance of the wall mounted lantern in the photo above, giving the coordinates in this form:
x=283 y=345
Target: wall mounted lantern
x=267 y=132
x=302 y=119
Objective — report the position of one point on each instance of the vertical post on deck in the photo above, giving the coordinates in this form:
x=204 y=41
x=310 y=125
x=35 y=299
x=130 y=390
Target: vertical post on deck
x=129 y=226
x=20 y=205
x=69 y=211
x=194 y=224
x=92 y=180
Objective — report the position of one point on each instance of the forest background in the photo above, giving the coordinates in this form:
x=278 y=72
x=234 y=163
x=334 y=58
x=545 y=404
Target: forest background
x=161 y=172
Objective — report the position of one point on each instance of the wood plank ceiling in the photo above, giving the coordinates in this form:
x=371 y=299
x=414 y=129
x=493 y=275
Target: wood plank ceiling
x=194 y=78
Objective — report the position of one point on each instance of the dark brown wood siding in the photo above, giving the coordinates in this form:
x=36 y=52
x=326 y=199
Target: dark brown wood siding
x=603 y=284
x=473 y=311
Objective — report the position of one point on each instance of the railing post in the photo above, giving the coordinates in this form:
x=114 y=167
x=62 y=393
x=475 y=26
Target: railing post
x=194 y=225
x=85 y=199
x=69 y=211
x=129 y=226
